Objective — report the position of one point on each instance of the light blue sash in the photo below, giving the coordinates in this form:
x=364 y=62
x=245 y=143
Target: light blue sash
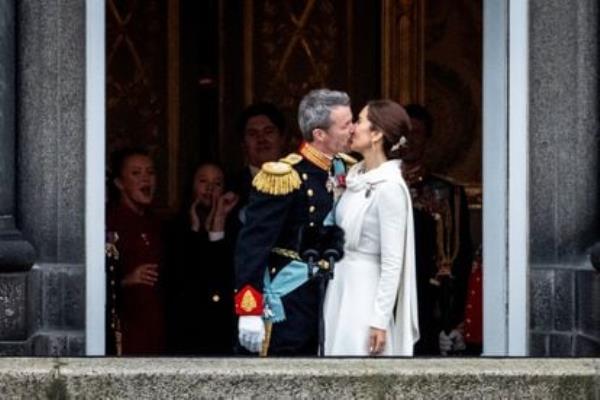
x=292 y=276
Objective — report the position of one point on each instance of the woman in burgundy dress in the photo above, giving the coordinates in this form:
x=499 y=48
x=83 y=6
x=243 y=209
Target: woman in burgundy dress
x=135 y=287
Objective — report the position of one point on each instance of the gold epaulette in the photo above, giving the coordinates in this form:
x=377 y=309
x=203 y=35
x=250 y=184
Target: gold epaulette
x=347 y=159
x=291 y=159
x=277 y=178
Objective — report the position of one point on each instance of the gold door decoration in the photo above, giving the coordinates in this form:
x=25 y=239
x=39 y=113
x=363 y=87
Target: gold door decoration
x=403 y=50
x=293 y=47
x=142 y=46
x=453 y=86
x=431 y=55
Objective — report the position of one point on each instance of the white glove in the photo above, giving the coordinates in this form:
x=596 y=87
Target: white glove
x=251 y=332
x=458 y=340
x=445 y=343
x=454 y=341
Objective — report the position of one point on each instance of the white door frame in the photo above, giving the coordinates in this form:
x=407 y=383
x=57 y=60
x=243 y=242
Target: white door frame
x=505 y=178
x=505 y=175
x=95 y=142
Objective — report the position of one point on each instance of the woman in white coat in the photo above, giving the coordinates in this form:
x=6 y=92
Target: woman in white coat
x=371 y=303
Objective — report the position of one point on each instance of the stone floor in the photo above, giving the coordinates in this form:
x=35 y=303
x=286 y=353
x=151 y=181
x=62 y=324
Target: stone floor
x=344 y=378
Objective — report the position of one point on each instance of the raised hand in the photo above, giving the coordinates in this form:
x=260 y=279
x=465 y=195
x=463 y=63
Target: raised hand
x=210 y=219
x=194 y=218
x=226 y=203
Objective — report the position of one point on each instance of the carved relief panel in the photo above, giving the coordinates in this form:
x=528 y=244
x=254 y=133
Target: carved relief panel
x=431 y=55
x=141 y=84
x=291 y=47
x=453 y=76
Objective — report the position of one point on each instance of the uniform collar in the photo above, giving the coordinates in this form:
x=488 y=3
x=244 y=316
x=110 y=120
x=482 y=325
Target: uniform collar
x=315 y=156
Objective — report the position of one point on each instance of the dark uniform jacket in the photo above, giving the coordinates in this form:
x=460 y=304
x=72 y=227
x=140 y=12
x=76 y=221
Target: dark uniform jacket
x=440 y=307
x=200 y=288
x=241 y=184
x=276 y=222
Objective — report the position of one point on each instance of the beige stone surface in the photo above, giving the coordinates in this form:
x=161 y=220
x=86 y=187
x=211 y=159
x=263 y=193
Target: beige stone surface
x=206 y=378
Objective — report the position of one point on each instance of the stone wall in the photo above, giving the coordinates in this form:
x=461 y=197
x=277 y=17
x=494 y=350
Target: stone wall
x=16 y=253
x=564 y=171
x=51 y=131
x=42 y=60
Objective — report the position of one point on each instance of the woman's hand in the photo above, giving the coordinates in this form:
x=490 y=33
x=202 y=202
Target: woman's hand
x=194 y=218
x=210 y=218
x=225 y=204
x=376 y=341
x=145 y=274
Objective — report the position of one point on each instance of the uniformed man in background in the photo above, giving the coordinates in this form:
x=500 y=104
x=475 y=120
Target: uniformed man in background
x=442 y=244
x=290 y=197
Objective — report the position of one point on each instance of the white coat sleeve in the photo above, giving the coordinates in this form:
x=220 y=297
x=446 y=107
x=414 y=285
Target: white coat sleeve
x=391 y=205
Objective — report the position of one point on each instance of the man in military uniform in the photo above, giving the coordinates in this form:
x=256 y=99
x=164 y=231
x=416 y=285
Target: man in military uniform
x=442 y=244
x=261 y=129
x=289 y=197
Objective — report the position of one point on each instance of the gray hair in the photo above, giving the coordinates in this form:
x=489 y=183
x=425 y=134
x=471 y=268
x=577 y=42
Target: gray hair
x=315 y=110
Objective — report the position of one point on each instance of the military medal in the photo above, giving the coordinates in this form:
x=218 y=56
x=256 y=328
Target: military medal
x=330 y=184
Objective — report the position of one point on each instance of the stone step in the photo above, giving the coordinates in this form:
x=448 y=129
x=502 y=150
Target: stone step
x=167 y=378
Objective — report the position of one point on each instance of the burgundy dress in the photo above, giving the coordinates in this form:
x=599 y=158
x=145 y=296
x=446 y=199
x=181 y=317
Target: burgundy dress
x=140 y=308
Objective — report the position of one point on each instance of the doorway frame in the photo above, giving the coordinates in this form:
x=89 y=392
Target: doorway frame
x=95 y=144
x=505 y=177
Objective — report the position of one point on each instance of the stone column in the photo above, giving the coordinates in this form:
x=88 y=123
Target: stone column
x=42 y=158
x=7 y=115
x=564 y=181
x=16 y=254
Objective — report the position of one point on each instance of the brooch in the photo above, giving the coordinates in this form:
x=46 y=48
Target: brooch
x=370 y=187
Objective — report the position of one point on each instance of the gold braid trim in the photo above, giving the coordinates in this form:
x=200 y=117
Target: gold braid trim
x=291 y=159
x=264 y=351
x=291 y=254
x=276 y=178
x=315 y=156
x=447 y=237
x=112 y=258
x=456 y=223
x=348 y=159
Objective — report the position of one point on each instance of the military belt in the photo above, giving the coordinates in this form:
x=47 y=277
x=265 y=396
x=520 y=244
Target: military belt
x=291 y=254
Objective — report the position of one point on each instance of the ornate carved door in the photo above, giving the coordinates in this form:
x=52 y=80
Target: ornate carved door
x=291 y=47
x=142 y=97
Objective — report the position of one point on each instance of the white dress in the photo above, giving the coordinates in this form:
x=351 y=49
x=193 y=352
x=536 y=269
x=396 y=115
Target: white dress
x=374 y=285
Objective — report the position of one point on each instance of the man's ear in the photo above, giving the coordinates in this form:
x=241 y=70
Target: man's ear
x=318 y=134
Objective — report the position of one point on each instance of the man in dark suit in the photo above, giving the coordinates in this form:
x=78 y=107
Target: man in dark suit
x=289 y=198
